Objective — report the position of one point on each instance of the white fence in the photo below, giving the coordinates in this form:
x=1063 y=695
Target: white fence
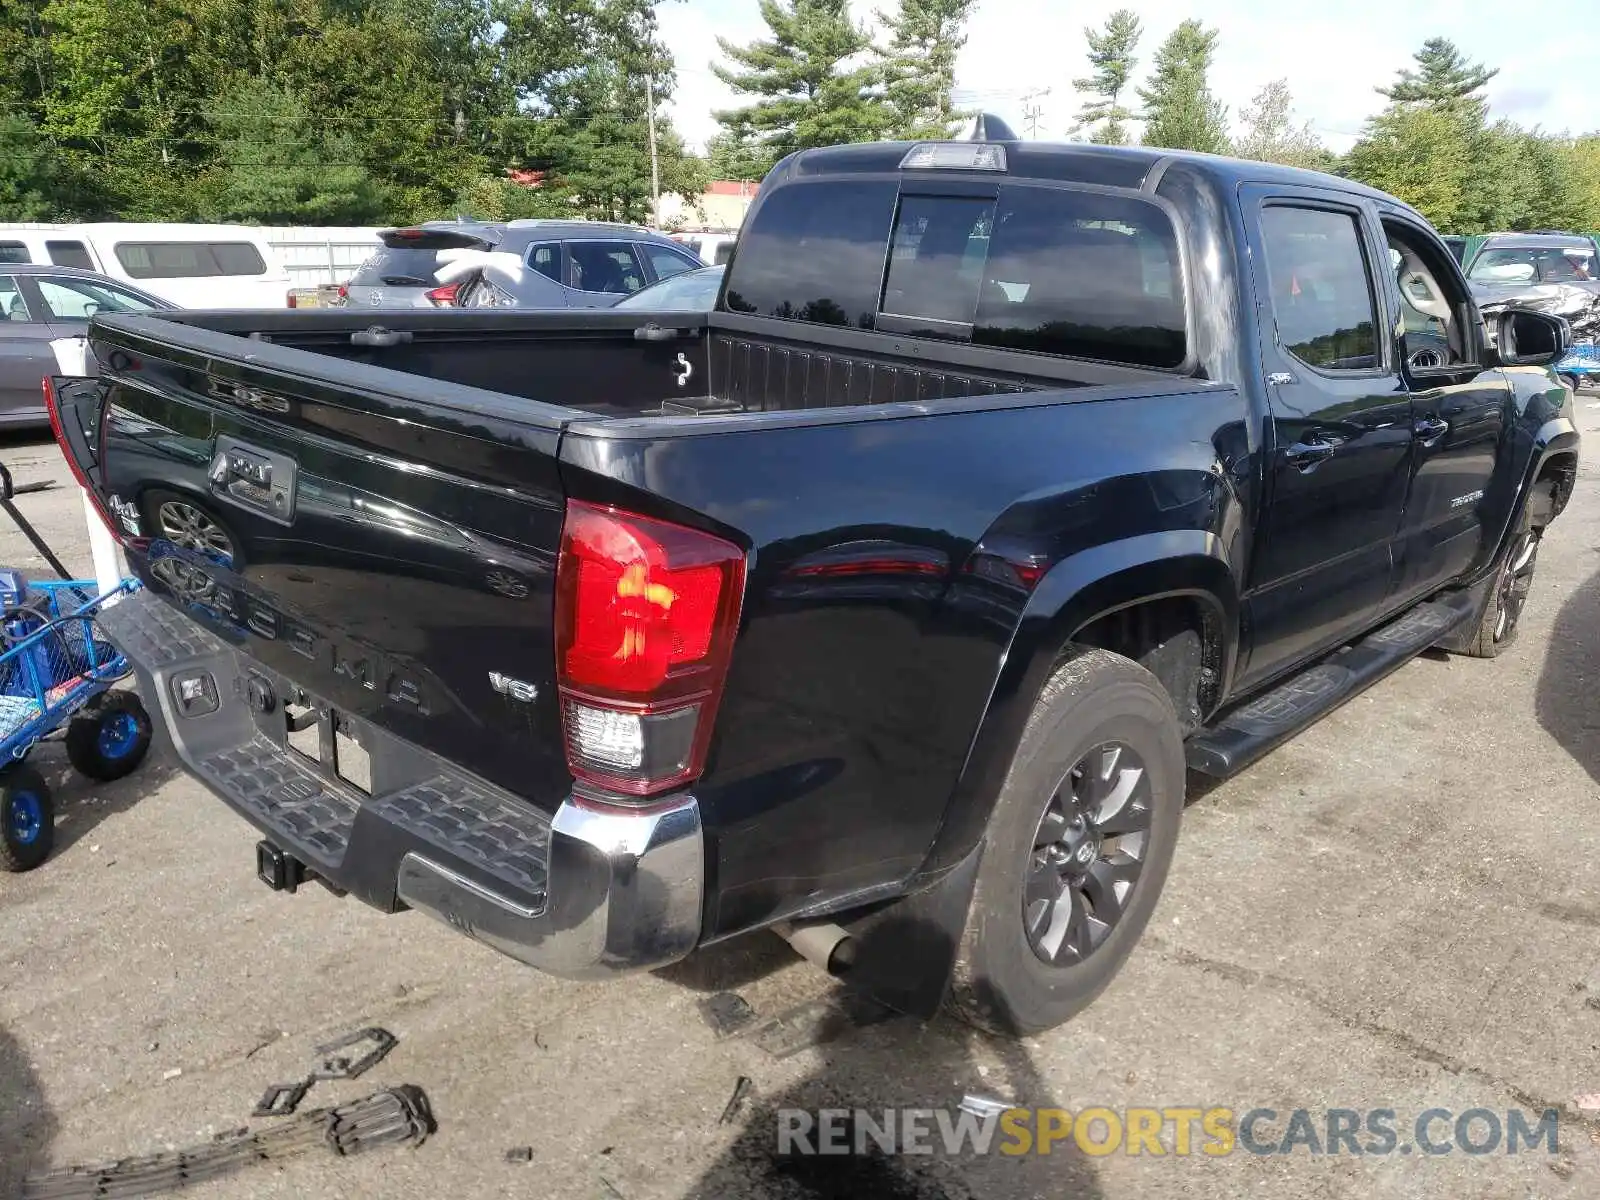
x=314 y=255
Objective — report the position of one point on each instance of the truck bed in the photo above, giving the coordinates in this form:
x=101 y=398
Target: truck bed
x=635 y=364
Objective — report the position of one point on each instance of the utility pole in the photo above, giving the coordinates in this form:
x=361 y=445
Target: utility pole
x=655 y=167
x=1032 y=112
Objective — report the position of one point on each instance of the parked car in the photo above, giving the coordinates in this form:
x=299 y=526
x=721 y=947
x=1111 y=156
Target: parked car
x=38 y=305
x=193 y=266
x=406 y=265
x=521 y=264
x=885 y=605
x=714 y=249
x=690 y=291
x=1549 y=272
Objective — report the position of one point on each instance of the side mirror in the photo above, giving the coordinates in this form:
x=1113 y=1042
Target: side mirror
x=1526 y=338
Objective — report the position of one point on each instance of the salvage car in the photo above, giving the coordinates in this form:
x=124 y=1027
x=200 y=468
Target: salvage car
x=884 y=605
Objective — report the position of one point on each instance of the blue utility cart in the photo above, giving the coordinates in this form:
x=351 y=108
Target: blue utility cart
x=1581 y=366
x=56 y=672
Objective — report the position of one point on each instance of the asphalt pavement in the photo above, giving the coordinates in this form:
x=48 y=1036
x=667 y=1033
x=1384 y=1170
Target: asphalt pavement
x=1398 y=911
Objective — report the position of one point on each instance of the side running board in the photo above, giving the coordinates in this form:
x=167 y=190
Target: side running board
x=1239 y=736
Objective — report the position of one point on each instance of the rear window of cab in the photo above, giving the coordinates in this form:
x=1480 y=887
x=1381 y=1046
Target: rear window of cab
x=1044 y=269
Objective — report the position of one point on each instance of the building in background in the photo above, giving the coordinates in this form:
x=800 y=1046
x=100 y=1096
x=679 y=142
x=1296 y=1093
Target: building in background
x=721 y=206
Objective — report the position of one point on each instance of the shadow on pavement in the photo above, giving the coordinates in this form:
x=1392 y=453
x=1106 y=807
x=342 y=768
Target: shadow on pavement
x=1568 y=695
x=82 y=804
x=27 y=1125
x=898 y=1063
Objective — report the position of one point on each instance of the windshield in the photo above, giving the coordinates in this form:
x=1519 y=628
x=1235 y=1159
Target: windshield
x=692 y=291
x=1534 y=264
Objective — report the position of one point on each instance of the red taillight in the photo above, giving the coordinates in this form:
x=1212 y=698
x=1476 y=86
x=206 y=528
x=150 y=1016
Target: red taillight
x=646 y=614
x=344 y=292
x=444 y=297
x=53 y=407
x=293 y=301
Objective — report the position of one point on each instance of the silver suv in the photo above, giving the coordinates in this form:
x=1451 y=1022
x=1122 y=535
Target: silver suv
x=532 y=264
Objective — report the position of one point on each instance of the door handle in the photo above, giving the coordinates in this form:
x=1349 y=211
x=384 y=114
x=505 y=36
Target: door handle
x=1307 y=456
x=1429 y=430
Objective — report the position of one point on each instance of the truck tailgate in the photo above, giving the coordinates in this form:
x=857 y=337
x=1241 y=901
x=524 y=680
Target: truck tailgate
x=381 y=561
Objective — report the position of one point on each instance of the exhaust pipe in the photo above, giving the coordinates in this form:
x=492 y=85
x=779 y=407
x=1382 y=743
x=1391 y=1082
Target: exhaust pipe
x=821 y=943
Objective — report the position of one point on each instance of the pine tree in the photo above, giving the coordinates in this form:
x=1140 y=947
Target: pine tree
x=1111 y=55
x=919 y=66
x=1271 y=134
x=1444 y=80
x=806 y=92
x=1180 y=113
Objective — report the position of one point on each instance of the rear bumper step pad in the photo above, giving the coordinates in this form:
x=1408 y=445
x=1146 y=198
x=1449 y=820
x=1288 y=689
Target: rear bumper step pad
x=591 y=891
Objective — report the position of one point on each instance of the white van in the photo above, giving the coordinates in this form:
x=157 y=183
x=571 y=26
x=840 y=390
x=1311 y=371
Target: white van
x=194 y=266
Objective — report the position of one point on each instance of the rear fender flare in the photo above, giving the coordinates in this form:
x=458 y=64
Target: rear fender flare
x=1073 y=593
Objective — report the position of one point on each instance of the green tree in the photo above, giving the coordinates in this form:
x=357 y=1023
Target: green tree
x=26 y=178
x=277 y=167
x=1443 y=79
x=729 y=157
x=807 y=92
x=1111 y=55
x=1271 y=133
x=1420 y=155
x=1180 y=113
x=919 y=66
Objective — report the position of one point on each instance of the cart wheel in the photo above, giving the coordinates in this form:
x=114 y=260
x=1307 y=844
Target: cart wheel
x=27 y=819
x=110 y=739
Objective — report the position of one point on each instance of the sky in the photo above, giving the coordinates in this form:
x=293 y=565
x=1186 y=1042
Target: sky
x=1332 y=56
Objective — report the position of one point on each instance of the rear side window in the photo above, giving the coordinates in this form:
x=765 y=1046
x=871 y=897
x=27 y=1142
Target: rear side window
x=605 y=267
x=1321 y=288
x=12 y=307
x=546 y=260
x=189 y=260
x=815 y=253
x=14 y=252
x=69 y=254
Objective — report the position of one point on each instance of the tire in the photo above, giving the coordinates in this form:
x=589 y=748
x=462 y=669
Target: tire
x=27 y=819
x=1014 y=982
x=186 y=522
x=1502 y=609
x=109 y=739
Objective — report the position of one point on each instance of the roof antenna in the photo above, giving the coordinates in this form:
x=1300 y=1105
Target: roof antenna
x=990 y=128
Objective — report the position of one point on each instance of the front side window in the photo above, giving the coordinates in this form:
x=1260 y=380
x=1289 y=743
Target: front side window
x=189 y=260
x=605 y=267
x=14 y=252
x=1320 y=287
x=12 y=307
x=1431 y=303
x=69 y=254
x=79 y=299
x=667 y=263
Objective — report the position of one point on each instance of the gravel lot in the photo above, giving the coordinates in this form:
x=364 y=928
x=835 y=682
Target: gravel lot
x=1399 y=910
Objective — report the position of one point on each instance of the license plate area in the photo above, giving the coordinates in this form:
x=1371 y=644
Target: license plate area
x=329 y=742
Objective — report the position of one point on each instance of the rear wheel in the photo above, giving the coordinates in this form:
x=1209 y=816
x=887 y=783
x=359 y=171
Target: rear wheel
x=27 y=819
x=110 y=739
x=1077 y=849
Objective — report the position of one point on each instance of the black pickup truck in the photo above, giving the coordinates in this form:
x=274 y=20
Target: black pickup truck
x=891 y=598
